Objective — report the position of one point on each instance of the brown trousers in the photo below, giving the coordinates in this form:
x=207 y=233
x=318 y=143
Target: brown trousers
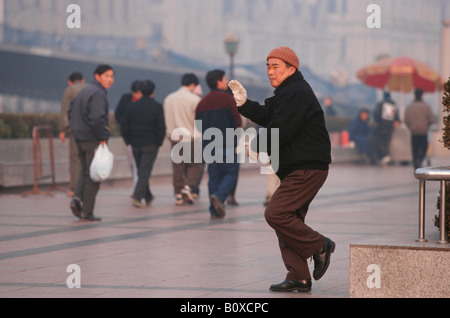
x=186 y=173
x=286 y=215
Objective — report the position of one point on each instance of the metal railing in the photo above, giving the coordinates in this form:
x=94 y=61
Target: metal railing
x=441 y=174
x=37 y=160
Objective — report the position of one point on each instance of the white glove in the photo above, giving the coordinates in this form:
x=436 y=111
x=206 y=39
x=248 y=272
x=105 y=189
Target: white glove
x=239 y=92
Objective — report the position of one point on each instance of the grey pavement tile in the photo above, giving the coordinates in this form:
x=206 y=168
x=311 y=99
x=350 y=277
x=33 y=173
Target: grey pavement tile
x=167 y=251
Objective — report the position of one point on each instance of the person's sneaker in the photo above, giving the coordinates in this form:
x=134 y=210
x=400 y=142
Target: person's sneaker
x=231 y=201
x=385 y=160
x=75 y=206
x=179 y=199
x=215 y=217
x=187 y=194
x=219 y=206
x=89 y=217
x=136 y=203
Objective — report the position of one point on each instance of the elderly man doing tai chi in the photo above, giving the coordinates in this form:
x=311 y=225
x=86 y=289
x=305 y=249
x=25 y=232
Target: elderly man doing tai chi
x=304 y=158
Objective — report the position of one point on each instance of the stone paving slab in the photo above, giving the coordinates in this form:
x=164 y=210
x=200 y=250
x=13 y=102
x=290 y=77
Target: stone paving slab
x=167 y=251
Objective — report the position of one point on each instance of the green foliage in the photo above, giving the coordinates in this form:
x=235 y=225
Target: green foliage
x=446 y=141
x=446 y=107
x=5 y=129
x=437 y=219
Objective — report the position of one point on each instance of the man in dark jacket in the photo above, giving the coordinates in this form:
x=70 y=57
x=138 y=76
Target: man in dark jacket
x=88 y=117
x=304 y=157
x=125 y=100
x=217 y=110
x=386 y=118
x=143 y=127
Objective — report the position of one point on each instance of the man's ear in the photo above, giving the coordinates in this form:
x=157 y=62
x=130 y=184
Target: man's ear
x=292 y=70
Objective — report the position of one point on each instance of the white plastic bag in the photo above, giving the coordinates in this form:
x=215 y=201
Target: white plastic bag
x=102 y=164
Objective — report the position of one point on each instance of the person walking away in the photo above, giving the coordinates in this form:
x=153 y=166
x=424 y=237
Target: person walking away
x=304 y=150
x=386 y=118
x=144 y=128
x=88 y=117
x=76 y=83
x=231 y=200
x=179 y=113
x=418 y=118
x=125 y=100
x=218 y=110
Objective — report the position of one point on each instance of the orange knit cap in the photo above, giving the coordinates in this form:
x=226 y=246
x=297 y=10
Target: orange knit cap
x=285 y=54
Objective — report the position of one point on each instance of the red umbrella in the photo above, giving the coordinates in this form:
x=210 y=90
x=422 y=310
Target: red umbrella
x=402 y=74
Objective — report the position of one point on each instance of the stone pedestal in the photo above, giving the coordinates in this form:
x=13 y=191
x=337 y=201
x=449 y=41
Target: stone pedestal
x=400 y=271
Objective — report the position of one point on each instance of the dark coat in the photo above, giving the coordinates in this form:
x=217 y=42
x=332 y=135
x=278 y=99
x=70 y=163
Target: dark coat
x=304 y=142
x=143 y=123
x=125 y=100
x=88 y=114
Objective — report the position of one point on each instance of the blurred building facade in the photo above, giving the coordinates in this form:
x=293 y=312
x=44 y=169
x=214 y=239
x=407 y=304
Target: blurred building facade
x=330 y=36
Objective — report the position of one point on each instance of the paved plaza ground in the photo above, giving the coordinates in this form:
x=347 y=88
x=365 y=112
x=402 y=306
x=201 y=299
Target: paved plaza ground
x=169 y=251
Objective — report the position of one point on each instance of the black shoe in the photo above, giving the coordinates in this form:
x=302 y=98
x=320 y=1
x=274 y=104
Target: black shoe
x=291 y=285
x=322 y=258
x=218 y=205
x=75 y=206
x=231 y=201
x=89 y=217
x=216 y=217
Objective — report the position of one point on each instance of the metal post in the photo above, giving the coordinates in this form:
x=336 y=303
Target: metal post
x=443 y=216
x=37 y=160
x=422 y=212
x=231 y=67
x=231 y=44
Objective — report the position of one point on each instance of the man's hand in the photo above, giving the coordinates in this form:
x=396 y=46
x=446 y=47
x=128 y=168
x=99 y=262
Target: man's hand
x=239 y=92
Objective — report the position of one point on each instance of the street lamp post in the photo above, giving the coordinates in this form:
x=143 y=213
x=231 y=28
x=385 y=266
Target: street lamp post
x=231 y=44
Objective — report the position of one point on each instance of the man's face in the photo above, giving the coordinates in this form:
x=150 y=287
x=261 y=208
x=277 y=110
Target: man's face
x=106 y=79
x=223 y=83
x=278 y=71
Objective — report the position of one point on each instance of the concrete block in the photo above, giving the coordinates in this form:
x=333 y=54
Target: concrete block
x=400 y=271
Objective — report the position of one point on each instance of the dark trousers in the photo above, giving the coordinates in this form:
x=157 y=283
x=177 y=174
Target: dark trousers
x=74 y=162
x=381 y=141
x=86 y=189
x=145 y=158
x=286 y=215
x=419 y=144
